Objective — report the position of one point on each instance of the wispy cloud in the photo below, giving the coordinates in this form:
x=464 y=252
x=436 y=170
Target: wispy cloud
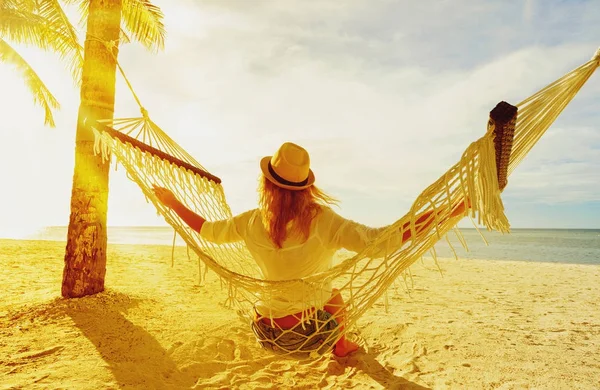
x=528 y=10
x=564 y=168
x=384 y=95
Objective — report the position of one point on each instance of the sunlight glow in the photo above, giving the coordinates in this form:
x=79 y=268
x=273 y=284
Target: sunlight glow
x=380 y=121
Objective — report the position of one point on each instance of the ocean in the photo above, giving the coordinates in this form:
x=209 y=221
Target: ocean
x=576 y=246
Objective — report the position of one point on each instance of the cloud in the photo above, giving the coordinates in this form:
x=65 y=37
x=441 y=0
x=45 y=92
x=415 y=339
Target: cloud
x=565 y=167
x=381 y=128
x=528 y=11
x=385 y=97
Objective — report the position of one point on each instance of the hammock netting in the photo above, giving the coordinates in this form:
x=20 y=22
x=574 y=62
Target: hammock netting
x=150 y=157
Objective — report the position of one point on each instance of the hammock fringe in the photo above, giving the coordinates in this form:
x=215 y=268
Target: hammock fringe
x=477 y=178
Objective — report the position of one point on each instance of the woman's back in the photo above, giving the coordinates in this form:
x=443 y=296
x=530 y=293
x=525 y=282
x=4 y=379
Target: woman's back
x=292 y=236
x=298 y=257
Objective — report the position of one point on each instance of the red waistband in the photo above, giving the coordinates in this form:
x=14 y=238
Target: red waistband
x=286 y=322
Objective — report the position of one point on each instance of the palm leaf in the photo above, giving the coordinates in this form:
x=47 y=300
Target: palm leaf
x=51 y=32
x=66 y=41
x=24 y=5
x=84 y=7
x=144 y=21
x=41 y=94
x=124 y=37
x=22 y=26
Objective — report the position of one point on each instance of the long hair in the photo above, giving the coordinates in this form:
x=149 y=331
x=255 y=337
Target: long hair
x=280 y=206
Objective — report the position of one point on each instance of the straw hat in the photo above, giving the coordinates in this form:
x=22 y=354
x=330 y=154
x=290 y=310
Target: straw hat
x=289 y=167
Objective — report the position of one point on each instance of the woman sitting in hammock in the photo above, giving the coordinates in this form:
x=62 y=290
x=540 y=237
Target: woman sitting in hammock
x=293 y=234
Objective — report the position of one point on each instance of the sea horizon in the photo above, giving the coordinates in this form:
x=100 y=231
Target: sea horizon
x=555 y=245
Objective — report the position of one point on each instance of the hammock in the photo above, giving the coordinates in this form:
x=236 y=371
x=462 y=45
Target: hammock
x=150 y=157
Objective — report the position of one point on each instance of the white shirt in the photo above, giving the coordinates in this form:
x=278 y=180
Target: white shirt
x=297 y=258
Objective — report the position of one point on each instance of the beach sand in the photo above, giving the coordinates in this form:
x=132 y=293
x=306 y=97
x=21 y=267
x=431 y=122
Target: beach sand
x=483 y=325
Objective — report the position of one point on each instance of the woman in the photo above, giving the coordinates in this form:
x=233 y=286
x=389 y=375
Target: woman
x=291 y=235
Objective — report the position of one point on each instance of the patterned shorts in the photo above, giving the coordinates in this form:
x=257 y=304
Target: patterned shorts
x=317 y=335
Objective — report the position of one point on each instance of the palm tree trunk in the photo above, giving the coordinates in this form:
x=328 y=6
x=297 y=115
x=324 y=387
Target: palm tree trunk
x=85 y=257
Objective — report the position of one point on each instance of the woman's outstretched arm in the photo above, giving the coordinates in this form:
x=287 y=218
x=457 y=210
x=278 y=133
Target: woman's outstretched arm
x=167 y=198
x=343 y=233
x=425 y=220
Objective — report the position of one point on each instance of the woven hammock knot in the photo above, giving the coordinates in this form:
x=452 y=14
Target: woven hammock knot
x=144 y=112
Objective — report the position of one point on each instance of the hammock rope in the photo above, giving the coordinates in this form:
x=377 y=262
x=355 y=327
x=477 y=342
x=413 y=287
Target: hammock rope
x=364 y=277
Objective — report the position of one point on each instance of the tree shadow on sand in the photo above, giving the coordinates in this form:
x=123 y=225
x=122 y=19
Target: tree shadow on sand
x=134 y=356
x=137 y=360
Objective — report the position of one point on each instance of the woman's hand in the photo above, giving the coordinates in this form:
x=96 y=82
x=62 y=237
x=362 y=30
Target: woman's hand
x=165 y=196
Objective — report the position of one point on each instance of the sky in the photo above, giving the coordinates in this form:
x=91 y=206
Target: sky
x=385 y=95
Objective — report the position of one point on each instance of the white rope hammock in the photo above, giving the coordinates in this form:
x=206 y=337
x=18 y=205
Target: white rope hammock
x=150 y=157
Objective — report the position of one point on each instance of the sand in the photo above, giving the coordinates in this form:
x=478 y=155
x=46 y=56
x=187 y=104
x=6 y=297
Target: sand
x=483 y=325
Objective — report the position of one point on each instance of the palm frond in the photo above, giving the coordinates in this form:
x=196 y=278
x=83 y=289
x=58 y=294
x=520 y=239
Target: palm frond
x=41 y=93
x=45 y=33
x=84 y=9
x=24 y=5
x=22 y=26
x=141 y=18
x=124 y=37
x=66 y=41
x=144 y=21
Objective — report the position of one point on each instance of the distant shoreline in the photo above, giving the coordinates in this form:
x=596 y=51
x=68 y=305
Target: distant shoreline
x=549 y=245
